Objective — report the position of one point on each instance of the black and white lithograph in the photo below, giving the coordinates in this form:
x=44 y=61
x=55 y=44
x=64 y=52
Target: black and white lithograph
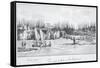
x=54 y=34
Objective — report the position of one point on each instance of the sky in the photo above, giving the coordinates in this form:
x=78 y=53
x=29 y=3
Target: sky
x=55 y=14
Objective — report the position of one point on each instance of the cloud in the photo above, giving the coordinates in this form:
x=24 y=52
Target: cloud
x=54 y=14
